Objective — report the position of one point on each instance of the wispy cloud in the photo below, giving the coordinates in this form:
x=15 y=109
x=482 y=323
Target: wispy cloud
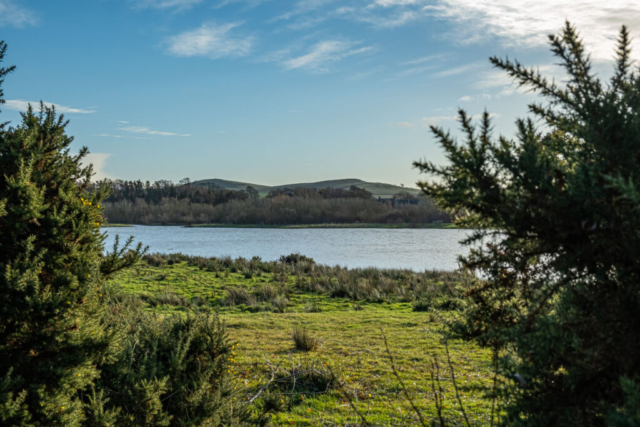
x=404 y=124
x=124 y=122
x=121 y=136
x=392 y=3
x=465 y=98
x=12 y=15
x=98 y=161
x=210 y=40
x=526 y=23
x=388 y=20
x=20 y=105
x=432 y=121
x=322 y=53
x=429 y=58
x=149 y=131
x=165 y=4
x=461 y=69
x=249 y=4
x=302 y=7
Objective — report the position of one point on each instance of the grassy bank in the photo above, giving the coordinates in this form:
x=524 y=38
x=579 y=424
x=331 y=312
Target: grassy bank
x=347 y=311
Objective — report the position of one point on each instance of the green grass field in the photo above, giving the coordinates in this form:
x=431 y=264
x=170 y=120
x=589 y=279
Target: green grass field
x=349 y=328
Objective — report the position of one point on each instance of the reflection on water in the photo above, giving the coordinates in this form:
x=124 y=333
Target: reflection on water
x=416 y=249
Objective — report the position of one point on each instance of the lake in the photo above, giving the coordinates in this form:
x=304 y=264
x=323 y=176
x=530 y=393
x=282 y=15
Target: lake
x=416 y=249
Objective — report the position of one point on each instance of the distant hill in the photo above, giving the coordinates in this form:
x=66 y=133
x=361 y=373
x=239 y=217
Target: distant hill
x=230 y=185
x=378 y=189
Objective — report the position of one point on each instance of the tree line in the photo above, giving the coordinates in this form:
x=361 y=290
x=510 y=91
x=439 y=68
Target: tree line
x=135 y=202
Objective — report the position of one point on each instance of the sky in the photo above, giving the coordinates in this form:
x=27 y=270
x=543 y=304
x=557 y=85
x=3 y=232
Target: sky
x=273 y=91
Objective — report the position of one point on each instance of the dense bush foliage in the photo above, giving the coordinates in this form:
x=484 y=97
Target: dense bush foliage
x=73 y=352
x=171 y=371
x=559 y=215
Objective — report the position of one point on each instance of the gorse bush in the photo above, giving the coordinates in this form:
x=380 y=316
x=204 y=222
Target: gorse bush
x=74 y=351
x=560 y=209
x=52 y=336
x=171 y=371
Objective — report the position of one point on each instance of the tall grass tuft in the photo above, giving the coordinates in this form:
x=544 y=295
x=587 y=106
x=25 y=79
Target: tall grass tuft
x=303 y=341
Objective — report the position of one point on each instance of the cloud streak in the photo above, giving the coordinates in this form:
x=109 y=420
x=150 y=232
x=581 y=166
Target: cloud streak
x=12 y=15
x=432 y=121
x=121 y=136
x=211 y=40
x=20 y=105
x=148 y=131
x=166 y=4
x=322 y=53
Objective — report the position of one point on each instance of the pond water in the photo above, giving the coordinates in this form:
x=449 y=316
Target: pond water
x=416 y=249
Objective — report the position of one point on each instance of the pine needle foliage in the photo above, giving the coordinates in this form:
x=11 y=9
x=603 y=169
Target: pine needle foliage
x=557 y=212
x=172 y=371
x=51 y=333
x=73 y=350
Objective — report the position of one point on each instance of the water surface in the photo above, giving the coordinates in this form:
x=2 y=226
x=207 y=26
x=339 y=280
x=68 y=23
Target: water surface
x=416 y=249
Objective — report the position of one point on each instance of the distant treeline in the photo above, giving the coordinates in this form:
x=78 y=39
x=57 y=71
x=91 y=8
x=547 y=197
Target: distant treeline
x=135 y=202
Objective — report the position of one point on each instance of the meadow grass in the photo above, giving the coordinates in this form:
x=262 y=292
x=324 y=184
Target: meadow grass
x=347 y=321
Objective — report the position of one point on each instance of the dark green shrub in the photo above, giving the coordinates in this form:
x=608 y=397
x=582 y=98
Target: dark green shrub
x=155 y=260
x=52 y=334
x=295 y=259
x=556 y=214
x=175 y=370
x=73 y=350
x=422 y=305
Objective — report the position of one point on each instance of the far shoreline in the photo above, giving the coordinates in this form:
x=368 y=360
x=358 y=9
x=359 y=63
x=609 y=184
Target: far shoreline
x=302 y=226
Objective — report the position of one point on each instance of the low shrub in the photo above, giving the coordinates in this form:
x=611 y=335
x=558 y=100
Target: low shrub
x=155 y=260
x=303 y=341
x=280 y=304
x=305 y=378
x=171 y=371
x=295 y=259
x=267 y=292
x=312 y=307
x=236 y=296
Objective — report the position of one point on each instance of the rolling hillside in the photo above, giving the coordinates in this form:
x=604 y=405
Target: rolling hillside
x=376 y=188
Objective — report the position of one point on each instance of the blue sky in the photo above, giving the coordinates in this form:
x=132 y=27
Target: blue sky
x=273 y=91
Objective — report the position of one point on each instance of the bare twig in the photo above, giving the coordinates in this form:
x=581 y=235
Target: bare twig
x=495 y=384
x=404 y=389
x=435 y=370
x=348 y=397
x=455 y=385
x=273 y=375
